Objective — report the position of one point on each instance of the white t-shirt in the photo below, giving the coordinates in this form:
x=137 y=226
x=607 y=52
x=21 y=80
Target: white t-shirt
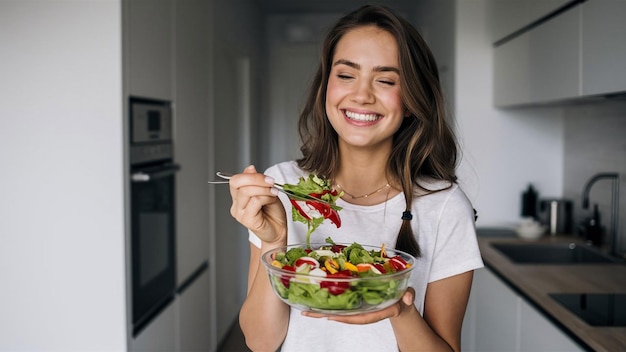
x=443 y=223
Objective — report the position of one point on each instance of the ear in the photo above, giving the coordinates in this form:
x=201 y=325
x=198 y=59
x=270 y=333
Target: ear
x=407 y=113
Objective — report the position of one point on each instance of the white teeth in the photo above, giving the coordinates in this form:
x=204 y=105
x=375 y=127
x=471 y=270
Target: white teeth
x=361 y=117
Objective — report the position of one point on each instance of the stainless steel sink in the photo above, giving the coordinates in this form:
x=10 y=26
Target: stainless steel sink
x=553 y=253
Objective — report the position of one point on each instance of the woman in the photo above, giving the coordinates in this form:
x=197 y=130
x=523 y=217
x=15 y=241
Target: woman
x=374 y=124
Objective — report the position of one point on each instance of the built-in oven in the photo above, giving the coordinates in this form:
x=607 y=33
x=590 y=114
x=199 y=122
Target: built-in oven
x=152 y=209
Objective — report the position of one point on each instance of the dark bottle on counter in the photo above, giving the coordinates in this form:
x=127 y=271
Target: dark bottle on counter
x=529 y=203
x=593 y=228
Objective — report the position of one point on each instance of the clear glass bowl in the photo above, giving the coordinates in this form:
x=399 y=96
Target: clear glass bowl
x=338 y=295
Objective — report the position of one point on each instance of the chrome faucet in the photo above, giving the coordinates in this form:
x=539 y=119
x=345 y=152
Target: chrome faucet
x=614 y=205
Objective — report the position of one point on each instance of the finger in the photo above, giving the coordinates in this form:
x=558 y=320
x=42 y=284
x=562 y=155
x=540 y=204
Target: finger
x=249 y=170
x=249 y=177
x=253 y=206
x=314 y=315
x=409 y=296
x=250 y=200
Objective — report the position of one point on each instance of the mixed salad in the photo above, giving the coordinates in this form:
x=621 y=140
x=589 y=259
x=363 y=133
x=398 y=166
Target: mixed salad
x=310 y=212
x=321 y=278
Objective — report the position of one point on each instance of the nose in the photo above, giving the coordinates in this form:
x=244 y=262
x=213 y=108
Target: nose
x=363 y=93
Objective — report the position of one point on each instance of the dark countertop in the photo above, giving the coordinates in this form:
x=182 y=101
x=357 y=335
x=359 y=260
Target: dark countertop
x=535 y=282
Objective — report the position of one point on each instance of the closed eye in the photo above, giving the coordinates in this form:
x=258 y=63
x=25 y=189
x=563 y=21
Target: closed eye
x=344 y=76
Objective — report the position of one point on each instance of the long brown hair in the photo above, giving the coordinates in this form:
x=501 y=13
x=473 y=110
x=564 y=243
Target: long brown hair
x=423 y=147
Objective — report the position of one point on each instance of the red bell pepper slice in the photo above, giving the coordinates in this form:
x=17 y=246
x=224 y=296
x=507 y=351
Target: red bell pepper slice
x=285 y=278
x=337 y=248
x=379 y=267
x=326 y=211
x=337 y=287
x=397 y=263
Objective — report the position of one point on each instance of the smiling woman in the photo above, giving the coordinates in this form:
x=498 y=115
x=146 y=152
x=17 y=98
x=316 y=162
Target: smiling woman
x=363 y=101
x=374 y=123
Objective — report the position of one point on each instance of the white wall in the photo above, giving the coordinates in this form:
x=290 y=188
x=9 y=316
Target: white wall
x=294 y=43
x=237 y=39
x=595 y=141
x=503 y=150
x=61 y=205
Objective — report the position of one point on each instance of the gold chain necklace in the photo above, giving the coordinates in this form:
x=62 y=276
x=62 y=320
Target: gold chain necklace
x=365 y=195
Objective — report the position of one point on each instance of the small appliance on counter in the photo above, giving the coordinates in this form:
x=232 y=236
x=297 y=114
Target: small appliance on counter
x=557 y=215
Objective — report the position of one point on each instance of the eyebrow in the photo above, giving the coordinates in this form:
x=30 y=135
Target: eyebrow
x=358 y=67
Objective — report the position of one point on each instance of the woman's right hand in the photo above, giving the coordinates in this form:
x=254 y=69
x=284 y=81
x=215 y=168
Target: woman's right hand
x=257 y=207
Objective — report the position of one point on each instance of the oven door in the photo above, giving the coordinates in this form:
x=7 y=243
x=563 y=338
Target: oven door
x=152 y=241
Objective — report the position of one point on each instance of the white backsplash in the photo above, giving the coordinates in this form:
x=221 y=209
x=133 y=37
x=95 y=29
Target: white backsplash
x=595 y=141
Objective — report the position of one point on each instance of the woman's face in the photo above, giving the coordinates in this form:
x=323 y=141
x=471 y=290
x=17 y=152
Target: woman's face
x=363 y=102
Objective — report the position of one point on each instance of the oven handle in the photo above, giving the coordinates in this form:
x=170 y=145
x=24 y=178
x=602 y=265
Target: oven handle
x=146 y=176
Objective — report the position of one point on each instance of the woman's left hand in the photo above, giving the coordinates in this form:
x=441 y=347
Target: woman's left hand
x=404 y=305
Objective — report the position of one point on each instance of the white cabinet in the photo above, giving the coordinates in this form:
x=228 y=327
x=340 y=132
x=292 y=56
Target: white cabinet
x=578 y=53
x=194 y=316
x=159 y=335
x=495 y=314
x=554 y=58
x=149 y=33
x=499 y=319
x=184 y=325
x=510 y=16
x=604 y=47
x=539 y=334
x=191 y=142
x=541 y=65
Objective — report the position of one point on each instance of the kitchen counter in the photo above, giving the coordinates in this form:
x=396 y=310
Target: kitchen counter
x=535 y=282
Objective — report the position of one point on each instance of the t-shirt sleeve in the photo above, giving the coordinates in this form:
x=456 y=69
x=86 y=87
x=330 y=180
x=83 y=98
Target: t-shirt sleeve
x=254 y=239
x=456 y=249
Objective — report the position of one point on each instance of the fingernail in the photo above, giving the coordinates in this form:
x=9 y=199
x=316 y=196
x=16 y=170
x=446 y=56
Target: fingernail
x=274 y=191
x=269 y=180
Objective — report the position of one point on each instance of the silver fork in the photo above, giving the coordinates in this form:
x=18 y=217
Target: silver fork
x=293 y=195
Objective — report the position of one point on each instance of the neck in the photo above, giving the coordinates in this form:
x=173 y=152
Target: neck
x=362 y=169
x=363 y=175
x=366 y=195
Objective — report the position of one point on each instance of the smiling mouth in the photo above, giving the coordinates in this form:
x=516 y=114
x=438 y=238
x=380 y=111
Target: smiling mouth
x=362 y=117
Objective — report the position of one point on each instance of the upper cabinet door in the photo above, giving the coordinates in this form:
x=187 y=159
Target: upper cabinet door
x=604 y=46
x=510 y=16
x=554 y=58
x=541 y=65
x=150 y=48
